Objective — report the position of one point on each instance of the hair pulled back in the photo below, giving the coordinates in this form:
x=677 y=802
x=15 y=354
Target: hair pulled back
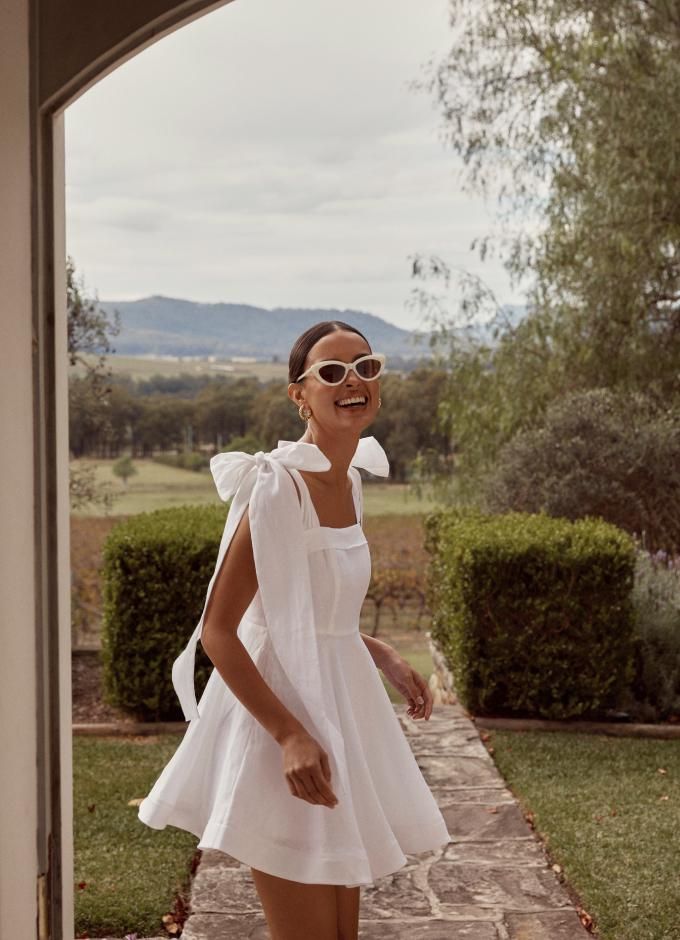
x=302 y=345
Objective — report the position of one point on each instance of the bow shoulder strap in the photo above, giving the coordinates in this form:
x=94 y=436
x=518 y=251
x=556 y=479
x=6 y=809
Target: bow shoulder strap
x=237 y=475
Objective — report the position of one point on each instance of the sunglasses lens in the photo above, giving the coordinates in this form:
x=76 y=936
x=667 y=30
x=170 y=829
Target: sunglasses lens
x=369 y=368
x=332 y=372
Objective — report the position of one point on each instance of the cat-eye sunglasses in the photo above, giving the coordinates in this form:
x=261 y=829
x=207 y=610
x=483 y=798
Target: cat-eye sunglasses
x=333 y=372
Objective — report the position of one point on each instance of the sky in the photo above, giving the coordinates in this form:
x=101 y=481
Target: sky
x=274 y=154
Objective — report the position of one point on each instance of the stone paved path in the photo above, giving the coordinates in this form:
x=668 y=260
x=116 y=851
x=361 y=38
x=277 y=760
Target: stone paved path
x=492 y=883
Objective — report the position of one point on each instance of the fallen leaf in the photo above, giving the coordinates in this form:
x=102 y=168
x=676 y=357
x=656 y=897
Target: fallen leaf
x=91 y=807
x=584 y=917
x=662 y=770
x=557 y=868
x=136 y=801
x=664 y=797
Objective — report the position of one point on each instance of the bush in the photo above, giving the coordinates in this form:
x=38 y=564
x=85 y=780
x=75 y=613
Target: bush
x=533 y=614
x=597 y=454
x=654 y=694
x=157 y=566
x=188 y=460
x=248 y=443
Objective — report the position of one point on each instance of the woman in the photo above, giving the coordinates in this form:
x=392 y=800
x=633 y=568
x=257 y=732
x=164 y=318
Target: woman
x=298 y=766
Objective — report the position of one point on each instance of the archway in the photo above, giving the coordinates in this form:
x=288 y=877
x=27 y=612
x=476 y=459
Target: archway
x=50 y=53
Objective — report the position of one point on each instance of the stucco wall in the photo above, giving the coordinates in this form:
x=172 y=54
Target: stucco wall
x=18 y=782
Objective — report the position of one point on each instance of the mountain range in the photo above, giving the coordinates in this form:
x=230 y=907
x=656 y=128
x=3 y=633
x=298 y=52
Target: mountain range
x=160 y=326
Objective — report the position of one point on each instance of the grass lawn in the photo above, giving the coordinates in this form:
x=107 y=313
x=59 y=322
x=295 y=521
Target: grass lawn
x=609 y=811
x=156 y=486
x=126 y=874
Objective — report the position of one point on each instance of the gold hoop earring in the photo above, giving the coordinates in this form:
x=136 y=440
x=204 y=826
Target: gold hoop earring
x=379 y=402
x=304 y=412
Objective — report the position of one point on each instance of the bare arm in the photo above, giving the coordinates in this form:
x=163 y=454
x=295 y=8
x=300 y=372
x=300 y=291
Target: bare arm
x=305 y=763
x=381 y=653
x=402 y=676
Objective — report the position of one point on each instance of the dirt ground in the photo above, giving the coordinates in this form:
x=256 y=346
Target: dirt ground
x=88 y=707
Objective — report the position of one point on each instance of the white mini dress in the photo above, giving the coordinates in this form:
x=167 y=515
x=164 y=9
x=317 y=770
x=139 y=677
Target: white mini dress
x=225 y=782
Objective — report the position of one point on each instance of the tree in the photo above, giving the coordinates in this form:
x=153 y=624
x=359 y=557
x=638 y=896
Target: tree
x=124 y=468
x=407 y=423
x=223 y=409
x=597 y=454
x=88 y=330
x=273 y=417
x=571 y=111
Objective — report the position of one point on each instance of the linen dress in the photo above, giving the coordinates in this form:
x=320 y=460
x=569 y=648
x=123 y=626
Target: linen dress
x=225 y=782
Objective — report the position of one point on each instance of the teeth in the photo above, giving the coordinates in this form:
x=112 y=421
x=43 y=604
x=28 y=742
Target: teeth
x=349 y=401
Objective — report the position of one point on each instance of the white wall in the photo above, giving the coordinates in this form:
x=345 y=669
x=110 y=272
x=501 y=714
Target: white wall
x=18 y=738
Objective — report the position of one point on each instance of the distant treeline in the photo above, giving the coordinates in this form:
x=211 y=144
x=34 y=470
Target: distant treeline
x=186 y=413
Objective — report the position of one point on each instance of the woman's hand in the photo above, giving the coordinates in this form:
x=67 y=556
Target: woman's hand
x=409 y=683
x=307 y=770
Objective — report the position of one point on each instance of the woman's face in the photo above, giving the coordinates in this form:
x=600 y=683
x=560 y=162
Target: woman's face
x=323 y=400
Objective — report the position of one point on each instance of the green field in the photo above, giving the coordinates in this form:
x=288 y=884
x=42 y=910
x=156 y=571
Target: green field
x=156 y=486
x=143 y=367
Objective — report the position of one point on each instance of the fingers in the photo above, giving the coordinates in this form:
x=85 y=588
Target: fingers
x=311 y=782
x=420 y=700
x=310 y=788
x=321 y=791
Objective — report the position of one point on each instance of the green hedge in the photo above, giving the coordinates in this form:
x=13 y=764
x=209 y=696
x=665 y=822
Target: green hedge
x=533 y=613
x=157 y=566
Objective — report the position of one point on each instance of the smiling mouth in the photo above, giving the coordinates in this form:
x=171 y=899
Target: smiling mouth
x=352 y=401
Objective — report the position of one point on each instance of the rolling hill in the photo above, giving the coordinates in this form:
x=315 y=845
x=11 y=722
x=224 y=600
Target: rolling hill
x=161 y=326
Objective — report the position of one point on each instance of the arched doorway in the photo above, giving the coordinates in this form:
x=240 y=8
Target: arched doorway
x=50 y=53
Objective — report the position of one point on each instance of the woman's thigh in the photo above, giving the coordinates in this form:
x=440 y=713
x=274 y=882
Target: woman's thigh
x=297 y=911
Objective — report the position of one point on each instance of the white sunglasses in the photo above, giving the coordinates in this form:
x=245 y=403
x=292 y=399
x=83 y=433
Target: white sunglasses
x=333 y=372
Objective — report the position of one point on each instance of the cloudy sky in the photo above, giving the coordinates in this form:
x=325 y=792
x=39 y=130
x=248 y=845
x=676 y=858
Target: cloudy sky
x=273 y=154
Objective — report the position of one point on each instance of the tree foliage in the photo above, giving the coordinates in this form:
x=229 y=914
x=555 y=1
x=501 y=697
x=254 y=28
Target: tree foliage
x=570 y=111
x=597 y=454
x=88 y=329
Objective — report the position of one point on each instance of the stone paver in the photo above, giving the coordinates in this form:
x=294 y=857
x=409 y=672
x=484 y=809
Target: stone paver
x=493 y=882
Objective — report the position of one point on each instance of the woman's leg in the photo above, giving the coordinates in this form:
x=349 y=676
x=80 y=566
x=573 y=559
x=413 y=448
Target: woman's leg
x=348 y=912
x=297 y=911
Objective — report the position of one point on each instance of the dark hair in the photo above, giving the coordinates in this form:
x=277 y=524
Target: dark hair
x=302 y=345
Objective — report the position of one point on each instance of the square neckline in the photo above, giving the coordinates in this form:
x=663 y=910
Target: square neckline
x=330 y=528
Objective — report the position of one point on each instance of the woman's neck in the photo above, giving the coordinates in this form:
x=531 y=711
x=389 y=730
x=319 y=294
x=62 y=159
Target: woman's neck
x=339 y=451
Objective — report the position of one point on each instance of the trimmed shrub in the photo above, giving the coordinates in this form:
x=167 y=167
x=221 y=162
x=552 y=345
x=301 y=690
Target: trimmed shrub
x=157 y=566
x=532 y=613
